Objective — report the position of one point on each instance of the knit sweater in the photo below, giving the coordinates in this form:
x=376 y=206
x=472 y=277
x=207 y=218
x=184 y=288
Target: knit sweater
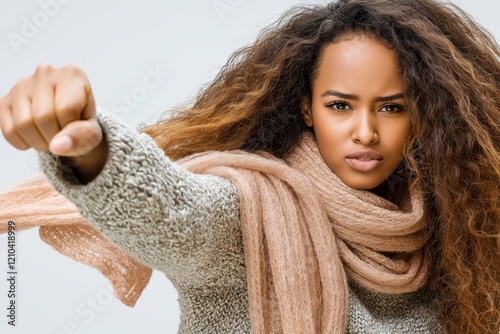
x=187 y=226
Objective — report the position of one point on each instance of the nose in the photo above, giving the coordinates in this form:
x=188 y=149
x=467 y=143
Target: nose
x=364 y=128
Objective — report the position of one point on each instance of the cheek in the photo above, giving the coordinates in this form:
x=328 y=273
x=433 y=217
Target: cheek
x=396 y=136
x=329 y=135
x=331 y=144
x=396 y=126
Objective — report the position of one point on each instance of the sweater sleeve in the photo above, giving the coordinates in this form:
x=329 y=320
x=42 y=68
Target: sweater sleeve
x=172 y=220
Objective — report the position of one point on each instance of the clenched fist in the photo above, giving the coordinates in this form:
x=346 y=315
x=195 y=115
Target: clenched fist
x=52 y=110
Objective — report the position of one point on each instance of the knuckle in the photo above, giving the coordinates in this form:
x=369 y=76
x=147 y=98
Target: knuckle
x=3 y=104
x=74 y=72
x=24 y=124
x=44 y=69
x=72 y=69
x=41 y=110
x=8 y=132
x=20 y=84
x=64 y=109
x=21 y=87
x=42 y=114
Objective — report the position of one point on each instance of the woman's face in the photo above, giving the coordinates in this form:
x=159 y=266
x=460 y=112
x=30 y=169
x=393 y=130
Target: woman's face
x=358 y=104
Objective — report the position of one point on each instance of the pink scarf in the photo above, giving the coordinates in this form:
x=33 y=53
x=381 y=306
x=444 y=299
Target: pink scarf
x=304 y=231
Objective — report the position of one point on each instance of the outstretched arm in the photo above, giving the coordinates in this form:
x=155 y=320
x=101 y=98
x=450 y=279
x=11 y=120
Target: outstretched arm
x=168 y=218
x=184 y=224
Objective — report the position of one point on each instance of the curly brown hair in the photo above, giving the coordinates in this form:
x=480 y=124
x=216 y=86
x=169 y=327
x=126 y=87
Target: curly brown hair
x=451 y=72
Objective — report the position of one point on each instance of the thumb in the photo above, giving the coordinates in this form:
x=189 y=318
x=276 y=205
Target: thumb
x=77 y=138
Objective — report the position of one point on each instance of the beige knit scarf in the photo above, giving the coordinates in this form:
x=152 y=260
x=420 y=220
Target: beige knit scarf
x=304 y=231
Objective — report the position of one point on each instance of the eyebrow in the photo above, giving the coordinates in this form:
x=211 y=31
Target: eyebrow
x=355 y=97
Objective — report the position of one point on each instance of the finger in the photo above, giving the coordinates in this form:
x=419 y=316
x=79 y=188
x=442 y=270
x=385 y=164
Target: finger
x=90 y=109
x=22 y=117
x=7 y=126
x=71 y=97
x=42 y=106
x=77 y=138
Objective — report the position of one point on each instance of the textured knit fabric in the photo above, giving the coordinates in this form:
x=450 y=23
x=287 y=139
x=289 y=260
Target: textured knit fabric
x=304 y=230
x=187 y=226
x=35 y=202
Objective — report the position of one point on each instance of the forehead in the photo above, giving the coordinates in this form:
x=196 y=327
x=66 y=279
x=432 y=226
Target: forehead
x=358 y=59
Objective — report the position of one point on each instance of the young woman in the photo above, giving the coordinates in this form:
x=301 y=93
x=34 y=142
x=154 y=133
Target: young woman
x=341 y=174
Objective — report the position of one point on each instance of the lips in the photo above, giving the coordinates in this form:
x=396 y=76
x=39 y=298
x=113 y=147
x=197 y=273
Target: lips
x=366 y=154
x=364 y=161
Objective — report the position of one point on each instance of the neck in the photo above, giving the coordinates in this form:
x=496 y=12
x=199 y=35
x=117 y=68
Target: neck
x=380 y=190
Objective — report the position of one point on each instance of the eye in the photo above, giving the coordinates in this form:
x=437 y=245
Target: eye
x=393 y=108
x=337 y=106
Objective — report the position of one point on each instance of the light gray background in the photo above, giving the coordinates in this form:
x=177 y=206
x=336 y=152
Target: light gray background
x=117 y=43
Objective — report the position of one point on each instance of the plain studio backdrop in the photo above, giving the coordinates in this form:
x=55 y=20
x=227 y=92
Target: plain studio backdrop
x=142 y=57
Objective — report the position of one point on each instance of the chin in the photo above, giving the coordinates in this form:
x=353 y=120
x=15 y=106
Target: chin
x=366 y=184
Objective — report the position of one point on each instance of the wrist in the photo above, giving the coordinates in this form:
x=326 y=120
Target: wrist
x=86 y=167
